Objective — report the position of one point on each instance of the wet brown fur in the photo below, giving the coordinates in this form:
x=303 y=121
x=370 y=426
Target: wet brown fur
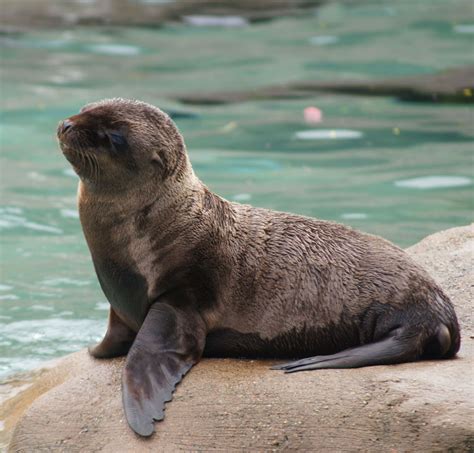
x=264 y=283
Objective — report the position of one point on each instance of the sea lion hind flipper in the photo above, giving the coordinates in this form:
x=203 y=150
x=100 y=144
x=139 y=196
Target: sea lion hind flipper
x=117 y=340
x=398 y=346
x=168 y=344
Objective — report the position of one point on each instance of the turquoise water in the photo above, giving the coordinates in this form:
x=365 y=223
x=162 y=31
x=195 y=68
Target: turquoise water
x=405 y=173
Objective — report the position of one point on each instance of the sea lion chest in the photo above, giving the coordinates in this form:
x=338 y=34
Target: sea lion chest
x=121 y=277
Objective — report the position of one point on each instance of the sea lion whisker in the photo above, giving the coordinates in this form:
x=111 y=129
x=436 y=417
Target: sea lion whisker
x=81 y=156
x=92 y=170
x=97 y=169
x=88 y=167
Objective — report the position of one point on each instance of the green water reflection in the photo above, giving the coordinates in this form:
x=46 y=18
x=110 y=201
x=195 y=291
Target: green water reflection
x=50 y=302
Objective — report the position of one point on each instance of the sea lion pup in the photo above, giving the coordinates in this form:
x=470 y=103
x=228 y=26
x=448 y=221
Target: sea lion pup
x=188 y=273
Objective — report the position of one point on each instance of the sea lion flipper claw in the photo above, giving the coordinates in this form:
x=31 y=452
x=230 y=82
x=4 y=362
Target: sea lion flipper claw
x=117 y=340
x=168 y=344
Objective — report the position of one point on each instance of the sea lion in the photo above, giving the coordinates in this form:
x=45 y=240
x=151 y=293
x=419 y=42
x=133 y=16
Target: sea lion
x=188 y=273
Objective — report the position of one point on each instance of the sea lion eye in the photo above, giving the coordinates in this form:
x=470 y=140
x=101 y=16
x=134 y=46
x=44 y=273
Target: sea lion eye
x=118 y=141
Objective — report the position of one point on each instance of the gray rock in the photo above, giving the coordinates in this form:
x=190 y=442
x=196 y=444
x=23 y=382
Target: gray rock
x=238 y=405
x=25 y=14
x=454 y=86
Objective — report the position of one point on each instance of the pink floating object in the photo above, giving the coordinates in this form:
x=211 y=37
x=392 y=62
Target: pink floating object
x=313 y=115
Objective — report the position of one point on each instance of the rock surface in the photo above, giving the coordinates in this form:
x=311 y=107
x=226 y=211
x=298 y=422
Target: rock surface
x=24 y=14
x=237 y=405
x=454 y=86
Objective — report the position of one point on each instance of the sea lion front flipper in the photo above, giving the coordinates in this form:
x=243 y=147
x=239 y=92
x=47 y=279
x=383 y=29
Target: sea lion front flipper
x=117 y=340
x=168 y=344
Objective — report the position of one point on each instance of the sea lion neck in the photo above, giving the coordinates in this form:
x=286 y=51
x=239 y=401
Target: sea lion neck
x=160 y=196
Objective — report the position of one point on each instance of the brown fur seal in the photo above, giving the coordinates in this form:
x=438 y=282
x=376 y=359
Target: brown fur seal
x=188 y=273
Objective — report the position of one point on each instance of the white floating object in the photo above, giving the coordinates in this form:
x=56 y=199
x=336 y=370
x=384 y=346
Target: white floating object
x=328 y=134
x=354 y=216
x=323 y=40
x=114 y=49
x=434 y=182
x=464 y=28
x=216 y=21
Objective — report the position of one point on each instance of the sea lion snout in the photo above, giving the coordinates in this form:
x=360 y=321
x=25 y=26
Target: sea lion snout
x=64 y=126
x=64 y=134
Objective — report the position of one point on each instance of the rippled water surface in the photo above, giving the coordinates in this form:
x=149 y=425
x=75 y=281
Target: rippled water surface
x=401 y=170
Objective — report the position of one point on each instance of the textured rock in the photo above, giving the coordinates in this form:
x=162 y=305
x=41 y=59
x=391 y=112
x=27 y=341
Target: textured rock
x=237 y=405
x=454 y=85
x=25 y=14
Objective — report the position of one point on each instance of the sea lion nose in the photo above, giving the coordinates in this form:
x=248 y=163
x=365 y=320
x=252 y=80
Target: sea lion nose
x=65 y=126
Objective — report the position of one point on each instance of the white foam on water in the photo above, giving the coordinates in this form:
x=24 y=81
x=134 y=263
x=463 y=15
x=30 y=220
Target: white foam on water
x=9 y=221
x=42 y=307
x=216 y=21
x=66 y=313
x=242 y=197
x=8 y=297
x=36 y=176
x=115 y=49
x=5 y=287
x=434 y=182
x=67 y=75
x=68 y=331
x=69 y=213
x=11 y=210
x=354 y=216
x=39 y=227
x=323 y=40
x=102 y=306
x=10 y=365
x=60 y=281
x=328 y=134
x=464 y=28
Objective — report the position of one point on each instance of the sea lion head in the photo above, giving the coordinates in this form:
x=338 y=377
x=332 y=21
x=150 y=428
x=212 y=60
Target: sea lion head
x=123 y=145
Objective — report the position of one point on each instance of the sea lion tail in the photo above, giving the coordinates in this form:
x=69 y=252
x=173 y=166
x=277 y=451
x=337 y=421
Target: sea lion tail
x=447 y=334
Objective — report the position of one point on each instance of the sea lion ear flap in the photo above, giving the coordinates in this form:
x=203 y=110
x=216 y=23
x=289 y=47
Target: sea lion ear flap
x=157 y=160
